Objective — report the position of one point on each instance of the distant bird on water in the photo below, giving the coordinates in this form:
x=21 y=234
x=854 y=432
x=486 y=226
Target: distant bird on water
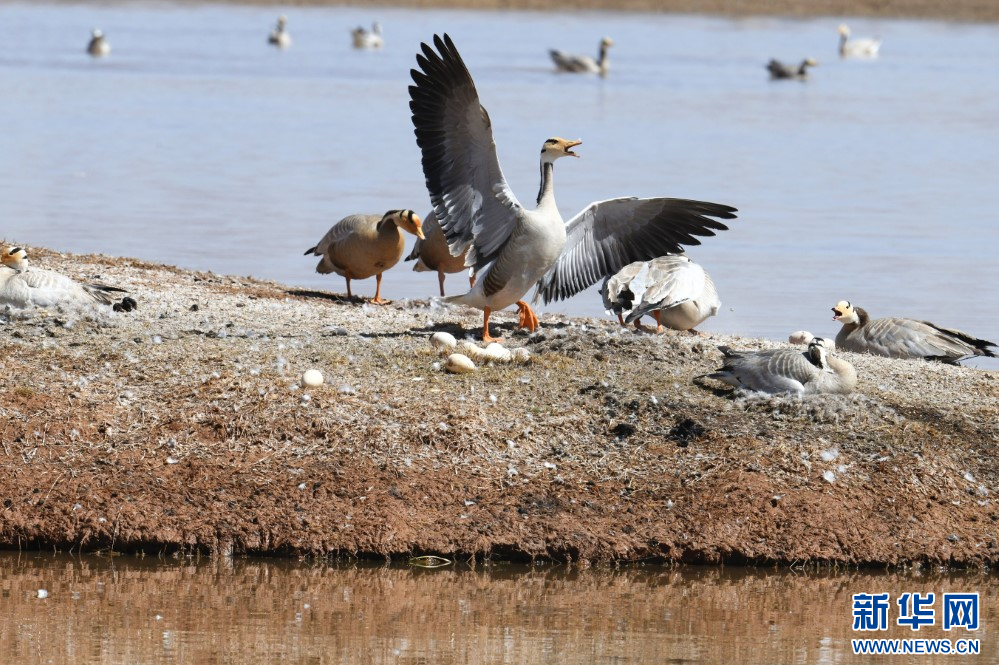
x=677 y=292
x=857 y=48
x=897 y=337
x=780 y=70
x=787 y=370
x=432 y=253
x=368 y=38
x=279 y=36
x=511 y=247
x=98 y=46
x=360 y=246
x=22 y=286
x=583 y=64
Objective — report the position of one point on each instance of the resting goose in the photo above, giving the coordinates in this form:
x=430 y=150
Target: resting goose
x=98 y=46
x=676 y=291
x=368 y=38
x=279 y=35
x=360 y=246
x=583 y=64
x=861 y=48
x=22 y=286
x=432 y=254
x=779 y=70
x=511 y=247
x=787 y=370
x=897 y=337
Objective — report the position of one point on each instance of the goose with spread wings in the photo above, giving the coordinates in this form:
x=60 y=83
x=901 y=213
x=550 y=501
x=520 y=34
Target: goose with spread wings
x=511 y=247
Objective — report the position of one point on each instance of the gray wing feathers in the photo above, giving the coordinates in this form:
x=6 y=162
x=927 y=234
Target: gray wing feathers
x=469 y=194
x=897 y=337
x=608 y=235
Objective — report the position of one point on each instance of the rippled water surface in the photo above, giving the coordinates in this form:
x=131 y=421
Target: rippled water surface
x=196 y=144
x=129 y=610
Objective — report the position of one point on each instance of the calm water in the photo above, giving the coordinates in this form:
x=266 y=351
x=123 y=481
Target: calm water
x=198 y=145
x=127 y=610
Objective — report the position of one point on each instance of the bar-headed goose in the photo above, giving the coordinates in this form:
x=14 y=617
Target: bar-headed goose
x=583 y=64
x=511 y=247
x=676 y=291
x=780 y=70
x=98 y=45
x=896 y=337
x=432 y=254
x=368 y=38
x=23 y=286
x=787 y=370
x=279 y=35
x=857 y=48
x=360 y=246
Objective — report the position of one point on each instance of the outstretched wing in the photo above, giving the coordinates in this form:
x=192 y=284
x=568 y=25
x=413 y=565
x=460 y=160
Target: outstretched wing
x=470 y=196
x=608 y=235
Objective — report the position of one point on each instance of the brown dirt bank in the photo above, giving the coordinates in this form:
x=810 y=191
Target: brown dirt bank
x=949 y=10
x=181 y=427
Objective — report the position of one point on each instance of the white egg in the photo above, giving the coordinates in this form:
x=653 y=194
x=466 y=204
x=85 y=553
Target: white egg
x=443 y=342
x=497 y=353
x=312 y=378
x=459 y=364
x=520 y=355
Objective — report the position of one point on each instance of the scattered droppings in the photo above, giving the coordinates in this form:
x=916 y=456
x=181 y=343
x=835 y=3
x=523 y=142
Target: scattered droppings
x=42 y=593
x=829 y=455
x=172 y=460
x=828 y=476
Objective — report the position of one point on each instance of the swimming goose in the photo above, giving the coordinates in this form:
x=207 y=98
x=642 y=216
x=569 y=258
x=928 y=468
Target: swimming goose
x=779 y=70
x=511 y=247
x=360 y=246
x=368 y=39
x=861 y=48
x=676 y=291
x=897 y=337
x=583 y=64
x=22 y=286
x=787 y=370
x=432 y=254
x=279 y=35
x=98 y=45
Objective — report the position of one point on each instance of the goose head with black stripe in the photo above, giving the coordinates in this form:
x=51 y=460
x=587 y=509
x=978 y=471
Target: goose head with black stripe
x=510 y=247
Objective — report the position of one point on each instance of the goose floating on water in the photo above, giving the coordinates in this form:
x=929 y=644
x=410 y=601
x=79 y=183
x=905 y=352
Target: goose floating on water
x=432 y=253
x=896 y=337
x=98 y=46
x=368 y=38
x=511 y=247
x=583 y=64
x=787 y=370
x=859 y=48
x=361 y=246
x=780 y=70
x=22 y=286
x=279 y=35
x=678 y=293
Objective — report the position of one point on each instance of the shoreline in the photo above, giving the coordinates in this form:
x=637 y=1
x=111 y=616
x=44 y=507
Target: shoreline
x=955 y=10
x=181 y=427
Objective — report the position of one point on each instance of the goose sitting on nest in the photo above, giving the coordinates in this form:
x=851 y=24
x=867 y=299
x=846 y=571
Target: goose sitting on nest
x=98 y=45
x=279 y=35
x=22 y=286
x=583 y=64
x=678 y=293
x=511 y=247
x=432 y=253
x=897 y=337
x=787 y=370
x=780 y=70
x=857 y=48
x=367 y=38
x=360 y=246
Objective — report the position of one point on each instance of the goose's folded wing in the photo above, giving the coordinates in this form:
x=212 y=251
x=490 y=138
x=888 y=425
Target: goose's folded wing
x=340 y=231
x=608 y=235
x=471 y=198
x=673 y=280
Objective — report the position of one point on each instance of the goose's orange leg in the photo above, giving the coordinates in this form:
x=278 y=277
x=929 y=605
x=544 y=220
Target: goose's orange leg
x=378 y=291
x=440 y=280
x=659 y=325
x=347 y=275
x=486 y=337
x=528 y=319
x=620 y=318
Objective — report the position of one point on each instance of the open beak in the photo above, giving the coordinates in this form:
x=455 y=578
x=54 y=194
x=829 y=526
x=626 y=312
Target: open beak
x=570 y=145
x=836 y=314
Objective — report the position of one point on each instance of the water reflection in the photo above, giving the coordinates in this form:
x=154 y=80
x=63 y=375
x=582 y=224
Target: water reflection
x=133 y=610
